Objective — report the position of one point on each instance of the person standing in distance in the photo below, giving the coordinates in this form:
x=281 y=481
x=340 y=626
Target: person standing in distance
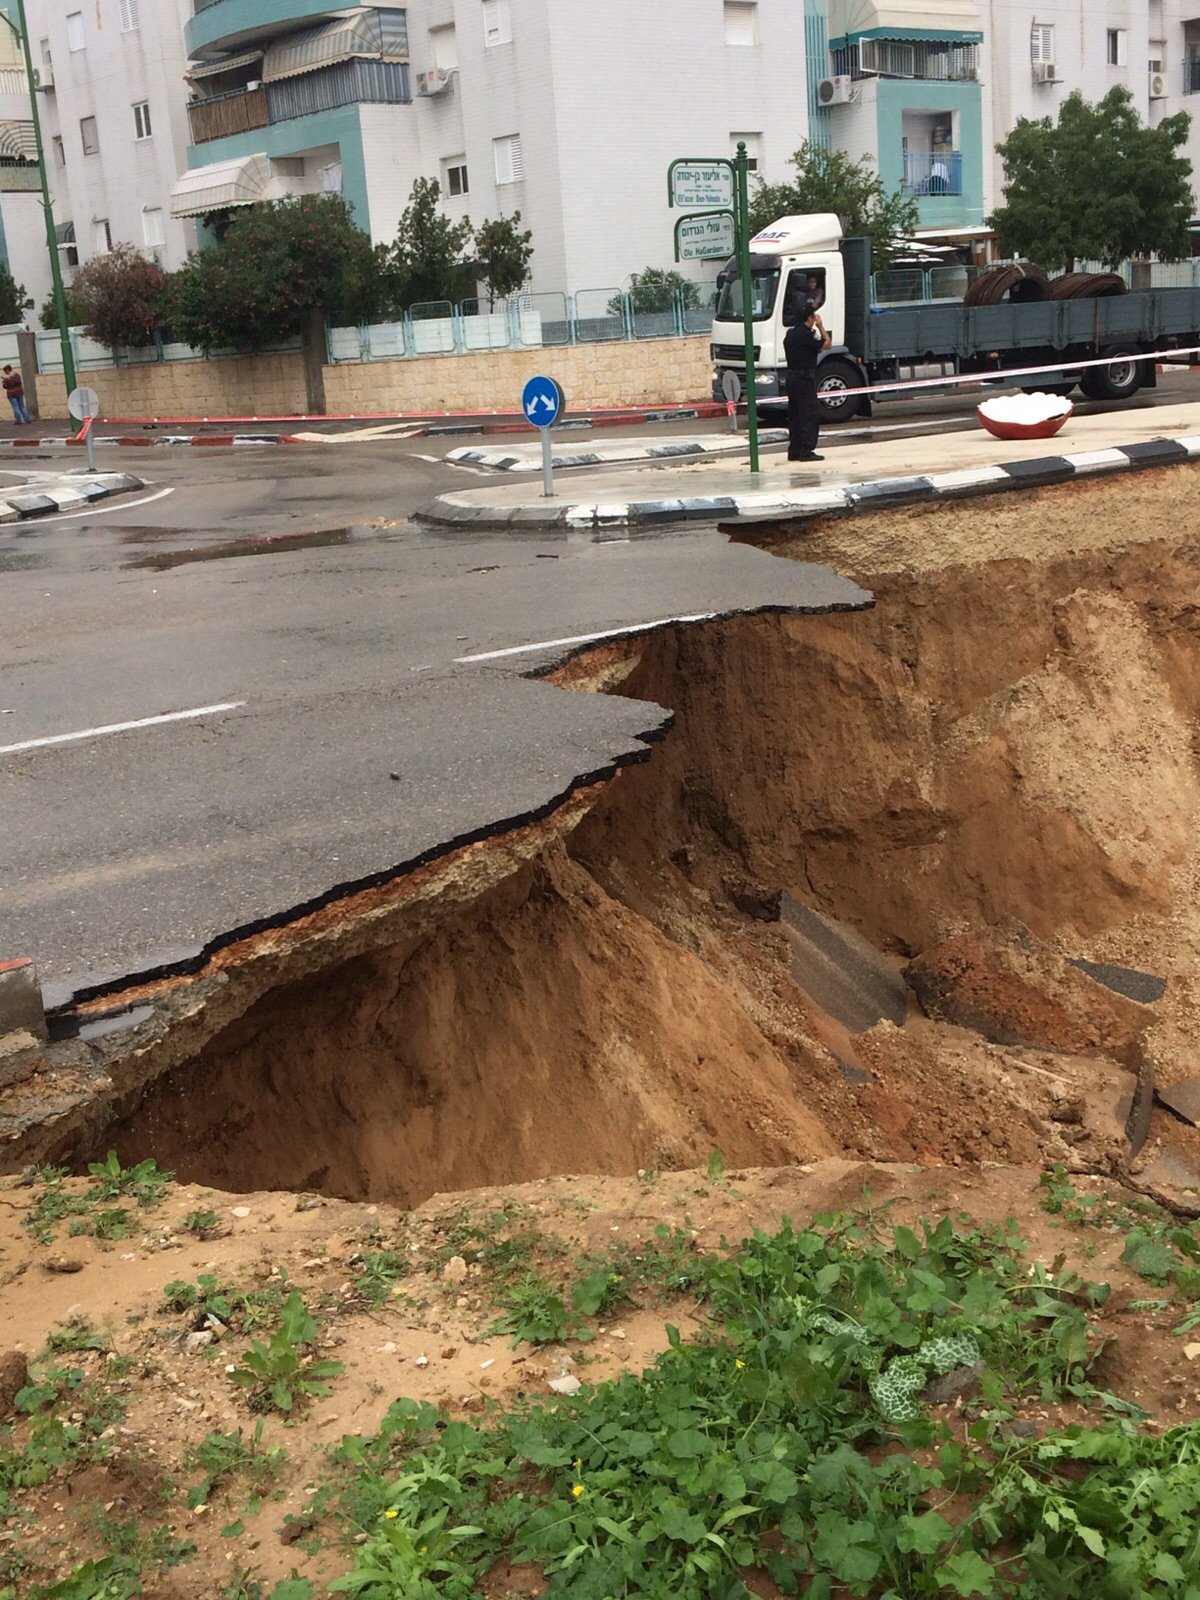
x=15 y=390
x=805 y=340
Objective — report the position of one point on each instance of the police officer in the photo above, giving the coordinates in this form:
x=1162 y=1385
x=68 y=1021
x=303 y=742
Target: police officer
x=805 y=340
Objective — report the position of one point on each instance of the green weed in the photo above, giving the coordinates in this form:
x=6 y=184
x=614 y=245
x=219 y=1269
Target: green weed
x=223 y=1457
x=533 y=1312
x=277 y=1374
x=381 y=1271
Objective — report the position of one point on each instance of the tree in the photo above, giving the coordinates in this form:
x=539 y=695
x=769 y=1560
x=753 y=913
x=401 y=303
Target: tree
x=655 y=289
x=12 y=297
x=119 y=298
x=427 y=260
x=1097 y=185
x=829 y=180
x=502 y=256
x=281 y=268
x=48 y=311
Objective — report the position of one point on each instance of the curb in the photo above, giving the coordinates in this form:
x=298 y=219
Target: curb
x=75 y=496
x=670 y=449
x=137 y=442
x=819 y=499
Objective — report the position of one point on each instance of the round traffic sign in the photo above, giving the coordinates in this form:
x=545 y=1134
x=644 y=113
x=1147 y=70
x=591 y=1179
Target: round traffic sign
x=731 y=385
x=543 y=402
x=83 y=403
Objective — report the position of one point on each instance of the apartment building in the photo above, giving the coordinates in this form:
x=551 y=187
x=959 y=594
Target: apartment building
x=563 y=110
x=22 y=228
x=110 y=90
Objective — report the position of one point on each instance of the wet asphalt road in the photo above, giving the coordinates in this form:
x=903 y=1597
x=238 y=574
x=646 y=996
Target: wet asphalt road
x=288 y=586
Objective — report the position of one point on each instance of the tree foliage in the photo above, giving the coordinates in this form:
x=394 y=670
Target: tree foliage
x=830 y=180
x=48 y=312
x=276 y=266
x=12 y=297
x=1097 y=185
x=427 y=260
x=119 y=298
x=655 y=290
x=502 y=256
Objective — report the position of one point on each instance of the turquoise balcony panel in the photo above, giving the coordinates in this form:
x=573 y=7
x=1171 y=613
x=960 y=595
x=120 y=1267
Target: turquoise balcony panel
x=342 y=127
x=233 y=24
x=956 y=205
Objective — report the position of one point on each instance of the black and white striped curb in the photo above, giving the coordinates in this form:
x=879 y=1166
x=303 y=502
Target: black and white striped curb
x=788 y=501
x=148 y=441
x=529 y=458
x=65 y=494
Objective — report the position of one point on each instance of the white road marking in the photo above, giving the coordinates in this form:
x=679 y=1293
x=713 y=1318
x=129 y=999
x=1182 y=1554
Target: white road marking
x=105 y=511
x=120 y=727
x=581 y=638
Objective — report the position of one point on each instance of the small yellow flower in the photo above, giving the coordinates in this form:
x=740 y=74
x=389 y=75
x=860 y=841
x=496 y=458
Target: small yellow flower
x=392 y=1514
x=577 y=1489
x=739 y=1366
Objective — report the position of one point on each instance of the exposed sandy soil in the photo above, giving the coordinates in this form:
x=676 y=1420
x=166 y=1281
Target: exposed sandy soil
x=173 y=1398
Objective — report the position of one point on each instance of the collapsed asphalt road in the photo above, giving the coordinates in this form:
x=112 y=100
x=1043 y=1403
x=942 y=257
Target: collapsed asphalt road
x=372 y=684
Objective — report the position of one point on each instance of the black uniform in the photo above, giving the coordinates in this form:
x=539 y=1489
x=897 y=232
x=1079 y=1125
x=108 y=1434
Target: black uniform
x=801 y=347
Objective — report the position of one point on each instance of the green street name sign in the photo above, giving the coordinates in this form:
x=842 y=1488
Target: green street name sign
x=705 y=184
x=705 y=236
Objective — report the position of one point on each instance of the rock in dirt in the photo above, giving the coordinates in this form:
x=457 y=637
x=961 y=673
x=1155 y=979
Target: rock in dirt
x=962 y=1381
x=198 y=1341
x=1183 y=1098
x=21 y=1057
x=567 y=1384
x=753 y=900
x=455 y=1270
x=61 y=1263
x=14 y=1376
x=1015 y=991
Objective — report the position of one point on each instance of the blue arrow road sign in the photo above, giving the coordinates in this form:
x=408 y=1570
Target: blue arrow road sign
x=543 y=402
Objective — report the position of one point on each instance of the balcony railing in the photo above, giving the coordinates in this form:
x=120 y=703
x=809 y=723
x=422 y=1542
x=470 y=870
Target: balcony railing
x=1191 y=74
x=223 y=114
x=929 y=174
x=933 y=60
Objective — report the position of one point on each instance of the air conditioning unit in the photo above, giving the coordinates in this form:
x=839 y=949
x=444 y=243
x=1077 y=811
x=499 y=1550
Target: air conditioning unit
x=435 y=82
x=255 y=83
x=835 y=91
x=1045 y=72
x=1158 y=86
x=43 y=77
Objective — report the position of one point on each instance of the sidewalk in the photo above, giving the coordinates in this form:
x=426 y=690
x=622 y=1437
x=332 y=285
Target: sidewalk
x=877 y=472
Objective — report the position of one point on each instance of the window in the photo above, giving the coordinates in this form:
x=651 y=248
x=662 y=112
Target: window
x=1158 y=54
x=510 y=163
x=1041 y=43
x=753 y=143
x=129 y=15
x=91 y=140
x=443 y=48
x=47 y=58
x=454 y=173
x=1118 y=39
x=101 y=237
x=60 y=150
x=497 y=22
x=741 y=22
x=153 y=227
x=75 y=30
x=141 y=119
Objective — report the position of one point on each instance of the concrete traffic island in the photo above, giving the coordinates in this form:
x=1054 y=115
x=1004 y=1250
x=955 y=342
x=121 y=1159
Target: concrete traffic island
x=70 y=492
x=853 y=476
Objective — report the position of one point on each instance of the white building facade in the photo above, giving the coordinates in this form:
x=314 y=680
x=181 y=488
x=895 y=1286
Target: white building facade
x=114 y=123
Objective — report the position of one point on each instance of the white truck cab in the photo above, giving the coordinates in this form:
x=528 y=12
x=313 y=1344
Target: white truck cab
x=795 y=259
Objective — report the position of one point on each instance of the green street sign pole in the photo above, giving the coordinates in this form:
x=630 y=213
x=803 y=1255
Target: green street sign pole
x=60 y=298
x=741 y=212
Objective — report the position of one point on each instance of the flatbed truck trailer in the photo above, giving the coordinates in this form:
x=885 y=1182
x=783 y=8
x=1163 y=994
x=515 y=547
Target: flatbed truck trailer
x=895 y=344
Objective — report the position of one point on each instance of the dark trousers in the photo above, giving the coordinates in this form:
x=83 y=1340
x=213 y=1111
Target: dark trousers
x=804 y=416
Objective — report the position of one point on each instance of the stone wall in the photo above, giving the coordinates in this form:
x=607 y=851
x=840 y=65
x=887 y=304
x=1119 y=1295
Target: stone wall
x=648 y=371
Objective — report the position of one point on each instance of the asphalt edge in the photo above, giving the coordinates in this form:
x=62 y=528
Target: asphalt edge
x=818 y=499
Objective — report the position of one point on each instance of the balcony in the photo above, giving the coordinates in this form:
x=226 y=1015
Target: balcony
x=224 y=114
x=929 y=174
x=234 y=24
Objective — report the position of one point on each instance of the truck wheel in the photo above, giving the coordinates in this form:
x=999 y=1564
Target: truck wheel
x=1122 y=378
x=836 y=382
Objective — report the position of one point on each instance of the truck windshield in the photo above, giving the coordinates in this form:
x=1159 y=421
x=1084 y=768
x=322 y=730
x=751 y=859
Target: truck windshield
x=764 y=286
